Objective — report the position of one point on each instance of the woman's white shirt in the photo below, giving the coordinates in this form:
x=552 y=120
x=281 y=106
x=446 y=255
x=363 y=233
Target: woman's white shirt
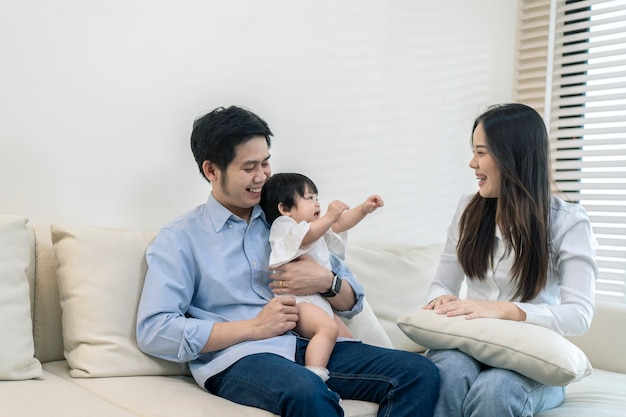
x=566 y=304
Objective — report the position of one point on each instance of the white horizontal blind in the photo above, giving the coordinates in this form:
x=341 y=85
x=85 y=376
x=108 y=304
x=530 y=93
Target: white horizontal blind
x=586 y=91
x=532 y=53
x=588 y=125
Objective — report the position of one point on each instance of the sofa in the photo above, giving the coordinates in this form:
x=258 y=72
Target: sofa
x=67 y=319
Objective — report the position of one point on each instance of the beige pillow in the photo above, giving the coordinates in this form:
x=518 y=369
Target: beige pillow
x=101 y=275
x=530 y=350
x=17 y=254
x=366 y=327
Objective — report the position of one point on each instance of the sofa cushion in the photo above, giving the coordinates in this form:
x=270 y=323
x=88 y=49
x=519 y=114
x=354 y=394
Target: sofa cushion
x=366 y=327
x=174 y=396
x=396 y=281
x=17 y=256
x=101 y=275
x=534 y=351
x=55 y=396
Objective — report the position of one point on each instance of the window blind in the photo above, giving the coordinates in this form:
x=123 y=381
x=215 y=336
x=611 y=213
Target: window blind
x=584 y=93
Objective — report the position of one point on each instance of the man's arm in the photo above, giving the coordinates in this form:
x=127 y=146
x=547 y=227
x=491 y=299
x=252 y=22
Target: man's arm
x=277 y=317
x=305 y=276
x=166 y=325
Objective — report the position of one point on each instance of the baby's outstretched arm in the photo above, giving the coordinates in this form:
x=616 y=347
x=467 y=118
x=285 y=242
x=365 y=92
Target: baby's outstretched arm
x=325 y=222
x=351 y=217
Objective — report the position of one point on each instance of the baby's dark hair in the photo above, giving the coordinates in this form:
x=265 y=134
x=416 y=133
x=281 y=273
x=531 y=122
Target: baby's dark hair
x=283 y=188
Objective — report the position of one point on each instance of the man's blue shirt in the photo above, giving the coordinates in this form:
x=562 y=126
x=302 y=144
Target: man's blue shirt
x=205 y=267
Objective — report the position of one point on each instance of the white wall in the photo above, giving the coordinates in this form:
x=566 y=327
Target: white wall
x=97 y=100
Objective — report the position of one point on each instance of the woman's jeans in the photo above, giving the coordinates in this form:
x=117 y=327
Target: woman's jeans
x=470 y=388
x=403 y=383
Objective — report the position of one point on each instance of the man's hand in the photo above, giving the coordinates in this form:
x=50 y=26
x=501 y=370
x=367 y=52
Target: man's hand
x=277 y=317
x=302 y=276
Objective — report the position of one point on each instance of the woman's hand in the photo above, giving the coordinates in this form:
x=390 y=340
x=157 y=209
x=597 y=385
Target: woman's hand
x=473 y=309
x=439 y=301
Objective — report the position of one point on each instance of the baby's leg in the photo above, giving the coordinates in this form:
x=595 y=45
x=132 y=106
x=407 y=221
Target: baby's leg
x=343 y=329
x=315 y=324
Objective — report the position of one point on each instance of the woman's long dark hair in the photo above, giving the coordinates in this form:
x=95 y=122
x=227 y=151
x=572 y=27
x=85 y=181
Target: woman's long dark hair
x=518 y=142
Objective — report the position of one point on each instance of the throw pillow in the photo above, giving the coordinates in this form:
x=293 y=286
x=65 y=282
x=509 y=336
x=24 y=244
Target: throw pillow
x=366 y=327
x=17 y=254
x=533 y=351
x=101 y=274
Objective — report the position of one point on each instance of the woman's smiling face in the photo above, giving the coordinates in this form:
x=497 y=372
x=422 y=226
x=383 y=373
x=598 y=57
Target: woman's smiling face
x=486 y=170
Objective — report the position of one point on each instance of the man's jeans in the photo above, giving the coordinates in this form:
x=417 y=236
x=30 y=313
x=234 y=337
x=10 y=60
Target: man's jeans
x=472 y=389
x=403 y=383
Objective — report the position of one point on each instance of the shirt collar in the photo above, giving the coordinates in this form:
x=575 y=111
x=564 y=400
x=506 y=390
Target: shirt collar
x=220 y=215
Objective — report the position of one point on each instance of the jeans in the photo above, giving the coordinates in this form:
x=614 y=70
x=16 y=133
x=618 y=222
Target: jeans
x=470 y=388
x=402 y=383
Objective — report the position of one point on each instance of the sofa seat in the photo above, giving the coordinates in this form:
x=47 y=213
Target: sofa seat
x=165 y=396
x=601 y=394
x=55 y=396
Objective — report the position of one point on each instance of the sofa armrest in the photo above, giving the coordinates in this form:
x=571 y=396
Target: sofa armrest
x=605 y=342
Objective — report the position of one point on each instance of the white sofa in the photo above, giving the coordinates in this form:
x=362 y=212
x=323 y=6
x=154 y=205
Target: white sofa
x=72 y=351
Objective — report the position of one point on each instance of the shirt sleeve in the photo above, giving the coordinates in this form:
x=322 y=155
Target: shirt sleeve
x=343 y=272
x=449 y=275
x=573 y=262
x=337 y=243
x=163 y=330
x=286 y=238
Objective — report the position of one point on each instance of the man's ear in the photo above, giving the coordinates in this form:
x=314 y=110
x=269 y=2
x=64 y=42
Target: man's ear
x=210 y=170
x=284 y=211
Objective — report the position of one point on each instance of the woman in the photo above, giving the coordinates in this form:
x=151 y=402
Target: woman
x=527 y=255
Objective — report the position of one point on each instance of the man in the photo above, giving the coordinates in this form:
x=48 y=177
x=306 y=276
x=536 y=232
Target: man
x=208 y=297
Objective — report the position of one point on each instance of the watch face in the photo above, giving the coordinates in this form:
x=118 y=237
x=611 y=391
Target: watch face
x=337 y=286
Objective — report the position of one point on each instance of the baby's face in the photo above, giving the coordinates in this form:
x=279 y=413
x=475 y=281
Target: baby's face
x=307 y=208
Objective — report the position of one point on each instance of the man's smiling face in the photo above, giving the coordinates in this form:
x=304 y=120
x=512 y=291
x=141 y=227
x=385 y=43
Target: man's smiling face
x=238 y=188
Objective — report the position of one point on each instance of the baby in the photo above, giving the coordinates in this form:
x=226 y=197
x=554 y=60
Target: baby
x=292 y=209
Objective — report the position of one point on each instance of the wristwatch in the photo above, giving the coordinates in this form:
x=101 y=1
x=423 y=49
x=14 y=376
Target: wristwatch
x=334 y=288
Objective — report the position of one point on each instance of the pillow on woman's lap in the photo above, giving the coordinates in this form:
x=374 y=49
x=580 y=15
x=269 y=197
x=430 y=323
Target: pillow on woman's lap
x=533 y=351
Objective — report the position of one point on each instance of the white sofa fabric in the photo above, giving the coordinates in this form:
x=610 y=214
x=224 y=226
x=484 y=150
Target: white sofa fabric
x=91 y=366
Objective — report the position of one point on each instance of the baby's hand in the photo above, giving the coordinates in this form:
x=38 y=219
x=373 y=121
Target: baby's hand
x=372 y=203
x=335 y=208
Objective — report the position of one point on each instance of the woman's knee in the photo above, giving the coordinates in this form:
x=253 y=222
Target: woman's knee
x=456 y=365
x=499 y=392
